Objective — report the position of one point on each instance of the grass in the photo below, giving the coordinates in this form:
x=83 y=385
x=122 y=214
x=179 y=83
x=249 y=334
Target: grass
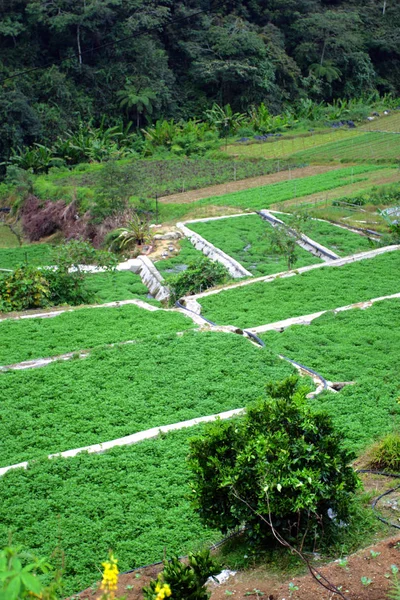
x=7 y=238
x=246 y=240
x=342 y=241
x=187 y=254
x=366 y=147
x=131 y=499
x=319 y=289
x=119 y=391
x=286 y=146
x=83 y=329
x=34 y=254
x=360 y=346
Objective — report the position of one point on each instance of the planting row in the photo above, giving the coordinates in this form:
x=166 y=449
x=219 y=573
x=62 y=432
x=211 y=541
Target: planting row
x=248 y=240
x=359 y=346
x=321 y=289
x=122 y=390
x=83 y=329
x=131 y=499
x=342 y=241
x=262 y=197
x=375 y=146
x=34 y=255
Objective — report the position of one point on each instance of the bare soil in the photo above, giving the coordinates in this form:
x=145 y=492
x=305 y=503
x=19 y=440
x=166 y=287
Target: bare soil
x=245 y=184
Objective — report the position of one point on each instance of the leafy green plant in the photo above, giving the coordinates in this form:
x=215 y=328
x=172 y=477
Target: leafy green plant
x=366 y=581
x=385 y=454
x=20 y=576
x=199 y=276
x=281 y=462
x=184 y=581
x=224 y=119
x=394 y=590
x=136 y=232
x=27 y=287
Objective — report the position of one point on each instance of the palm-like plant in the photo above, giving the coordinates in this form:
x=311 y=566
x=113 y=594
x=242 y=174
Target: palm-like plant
x=224 y=119
x=326 y=70
x=136 y=232
x=140 y=99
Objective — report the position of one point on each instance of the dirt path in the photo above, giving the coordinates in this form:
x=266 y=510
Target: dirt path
x=245 y=184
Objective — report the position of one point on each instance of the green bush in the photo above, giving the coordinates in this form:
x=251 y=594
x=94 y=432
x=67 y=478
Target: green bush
x=27 y=287
x=280 y=461
x=184 y=581
x=199 y=276
x=386 y=453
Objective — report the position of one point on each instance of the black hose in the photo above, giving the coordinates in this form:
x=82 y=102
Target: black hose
x=308 y=370
x=179 y=305
x=254 y=337
x=376 y=500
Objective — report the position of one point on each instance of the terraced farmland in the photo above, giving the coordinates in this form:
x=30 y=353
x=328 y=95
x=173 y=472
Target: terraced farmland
x=359 y=346
x=366 y=147
x=118 y=391
x=133 y=499
x=320 y=289
x=246 y=239
x=342 y=241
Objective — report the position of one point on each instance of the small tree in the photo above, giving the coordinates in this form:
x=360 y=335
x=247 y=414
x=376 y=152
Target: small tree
x=199 y=276
x=283 y=239
x=281 y=460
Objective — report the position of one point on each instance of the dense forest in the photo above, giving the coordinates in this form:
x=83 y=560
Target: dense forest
x=64 y=62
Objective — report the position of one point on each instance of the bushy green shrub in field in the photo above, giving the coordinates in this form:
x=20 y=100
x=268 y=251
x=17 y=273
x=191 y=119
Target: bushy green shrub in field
x=27 y=287
x=281 y=463
x=386 y=453
x=184 y=581
x=199 y=276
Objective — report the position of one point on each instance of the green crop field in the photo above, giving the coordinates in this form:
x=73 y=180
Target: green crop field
x=385 y=123
x=340 y=240
x=262 y=197
x=246 y=239
x=116 y=286
x=33 y=254
x=83 y=329
x=288 y=145
x=366 y=147
x=131 y=499
x=360 y=346
x=319 y=289
x=119 y=391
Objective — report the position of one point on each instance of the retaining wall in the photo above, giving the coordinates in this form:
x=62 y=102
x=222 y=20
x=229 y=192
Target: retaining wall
x=236 y=270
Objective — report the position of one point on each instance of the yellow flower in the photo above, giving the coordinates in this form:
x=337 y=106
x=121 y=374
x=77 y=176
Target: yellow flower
x=163 y=592
x=109 y=583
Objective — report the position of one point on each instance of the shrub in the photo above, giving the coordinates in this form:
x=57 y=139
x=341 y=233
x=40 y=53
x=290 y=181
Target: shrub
x=386 y=453
x=280 y=461
x=27 y=287
x=199 y=276
x=183 y=581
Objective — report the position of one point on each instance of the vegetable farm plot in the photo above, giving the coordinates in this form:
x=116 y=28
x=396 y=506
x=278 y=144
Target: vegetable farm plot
x=116 y=286
x=262 y=197
x=361 y=346
x=321 y=289
x=119 y=391
x=83 y=329
x=246 y=239
x=178 y=263
x=340 y=240
x=132 y=499
x=34 y=255
x=288 y=145
x=367 y=147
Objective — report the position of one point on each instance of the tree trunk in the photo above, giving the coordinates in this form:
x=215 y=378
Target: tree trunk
x=78 y=41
